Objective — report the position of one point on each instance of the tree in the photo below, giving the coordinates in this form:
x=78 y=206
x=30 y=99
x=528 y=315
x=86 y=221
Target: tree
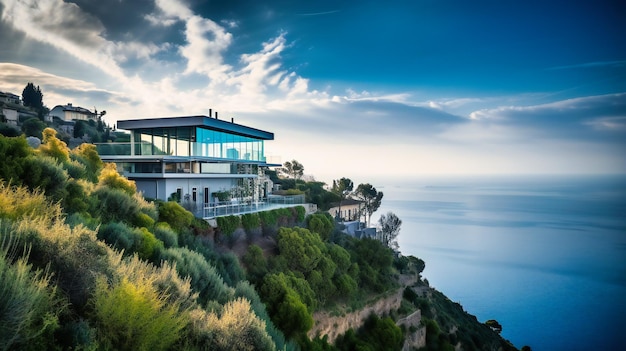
x=371 y=198
x=342 y=187
x=33 y=97
x=389 y=229
x=33 y=127
x=293 y=169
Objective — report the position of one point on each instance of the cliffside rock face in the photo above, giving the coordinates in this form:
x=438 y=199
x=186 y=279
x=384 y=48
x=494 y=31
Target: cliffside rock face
x=416 y=339
x=333 y=326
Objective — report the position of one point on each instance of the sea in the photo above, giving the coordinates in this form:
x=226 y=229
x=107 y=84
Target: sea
x=545 y=256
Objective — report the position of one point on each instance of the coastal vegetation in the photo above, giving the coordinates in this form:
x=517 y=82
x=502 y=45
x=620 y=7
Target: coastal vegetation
x=87 y=263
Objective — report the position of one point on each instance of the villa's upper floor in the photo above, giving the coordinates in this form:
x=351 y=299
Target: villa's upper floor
x=176 y=141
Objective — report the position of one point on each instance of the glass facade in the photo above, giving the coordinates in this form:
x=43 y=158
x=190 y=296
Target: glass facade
x=195 y=141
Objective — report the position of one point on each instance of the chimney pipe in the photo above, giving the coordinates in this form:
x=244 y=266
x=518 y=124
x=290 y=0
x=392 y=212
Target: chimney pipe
x=232 y=120
x=210 y=112
x=216 y=115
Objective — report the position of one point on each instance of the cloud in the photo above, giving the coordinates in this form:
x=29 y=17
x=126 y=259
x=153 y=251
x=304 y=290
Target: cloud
x=318 y=13
x=55 y=88
x=206 y=43
x=621 y=63
x=584 y=117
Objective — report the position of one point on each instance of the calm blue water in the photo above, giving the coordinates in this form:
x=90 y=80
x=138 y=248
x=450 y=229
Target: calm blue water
x=545 y=256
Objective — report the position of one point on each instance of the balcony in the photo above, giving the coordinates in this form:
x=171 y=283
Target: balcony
x=236 y=207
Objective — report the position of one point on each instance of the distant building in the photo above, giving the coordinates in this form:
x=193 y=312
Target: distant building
x=346 y=211
x=211 y=166
x=12 y=110
x=70 y=113
x=10 y=98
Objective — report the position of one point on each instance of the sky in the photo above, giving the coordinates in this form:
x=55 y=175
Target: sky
x=358 y=89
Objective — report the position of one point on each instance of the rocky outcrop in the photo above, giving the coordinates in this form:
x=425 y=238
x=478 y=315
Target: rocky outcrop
x=416 y=334
x=333 y=326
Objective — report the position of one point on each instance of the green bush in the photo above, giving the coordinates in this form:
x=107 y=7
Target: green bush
x=87 y=154
x=228 y=224
x=235 y=328
x=289 y=301
x=375 y=334
x=14 y=152
x=118 y=235
x=76 y=199
x=134 y=316
x=204 y=277
x=29 y=307
x=321 y=224
x=300 y=213
x=114 y=205
x=146 y=244
x=250 y=221
x=143 y=220
x=255 y=262
x=175 y=215
x=247 y=291
x=42 y=172
x=75 y=169
x=268 y=218
x=164 y=232
x=74 y=254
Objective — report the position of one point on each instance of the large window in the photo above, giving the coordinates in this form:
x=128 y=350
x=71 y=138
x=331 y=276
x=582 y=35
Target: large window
x=188 y=141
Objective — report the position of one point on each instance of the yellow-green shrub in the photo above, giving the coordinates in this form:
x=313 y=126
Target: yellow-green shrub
x=29 y=306
x=236 y=328
x=133 y=315
x=111 y=178
x=175 y=215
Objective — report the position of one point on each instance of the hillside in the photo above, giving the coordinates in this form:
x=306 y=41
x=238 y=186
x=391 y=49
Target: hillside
x=87 y=263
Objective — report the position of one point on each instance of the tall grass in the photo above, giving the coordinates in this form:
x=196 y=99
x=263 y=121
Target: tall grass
x=29 y=305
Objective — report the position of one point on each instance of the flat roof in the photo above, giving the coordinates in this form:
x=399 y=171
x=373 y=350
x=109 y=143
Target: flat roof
x=195 y=121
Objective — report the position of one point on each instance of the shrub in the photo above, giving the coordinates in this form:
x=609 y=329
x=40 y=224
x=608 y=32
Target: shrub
x=134 y=316
x=109 y=177
x=74 y=254
x=14 y=151
x=164 y=232
x=87 y=154
x=204 y=277
x=320 y=224
x=300 y=213
x=247 y=291
x=19 y=202
x=146 y=244
x=114 y=205
x=29 y=307
x=143 y=220
x=175 y=215
x=75 y=169
x=228 y=224
x=255 y=263
x=46 y=174
x=76 y=199
x=118 y=235
x=235 y=328
x=250 y=221
x=53 y=146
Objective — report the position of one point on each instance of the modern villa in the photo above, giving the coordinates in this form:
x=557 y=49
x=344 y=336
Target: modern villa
x=211 y=166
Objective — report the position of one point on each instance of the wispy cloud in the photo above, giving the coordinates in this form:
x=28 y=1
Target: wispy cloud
x=55 y=88
x=621 y=63
x=566 y=118
x=318 y=13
